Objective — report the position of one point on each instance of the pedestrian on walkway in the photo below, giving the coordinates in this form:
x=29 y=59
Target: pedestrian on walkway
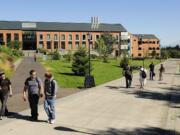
x=33 y=85
x=161 y=71
x=142 y=77
x=5 y=92
x=127 y=72
x=35 y=57
x=50 y=89
x=151 y=71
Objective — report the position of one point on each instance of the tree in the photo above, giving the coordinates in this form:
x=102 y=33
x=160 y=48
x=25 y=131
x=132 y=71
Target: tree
x=80 y=65
x=153 y=54
x=124 y=61
x=15 y=44
x=104 y=45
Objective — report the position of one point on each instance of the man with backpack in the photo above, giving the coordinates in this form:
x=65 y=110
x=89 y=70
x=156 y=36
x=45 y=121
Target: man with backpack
x=142 y=77
x=128 y=76
x=50 y=89
x=33 y=85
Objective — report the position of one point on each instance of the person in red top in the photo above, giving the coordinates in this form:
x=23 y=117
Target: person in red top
x=5 y=92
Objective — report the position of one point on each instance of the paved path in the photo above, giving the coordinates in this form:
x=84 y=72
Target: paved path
x=111 y=109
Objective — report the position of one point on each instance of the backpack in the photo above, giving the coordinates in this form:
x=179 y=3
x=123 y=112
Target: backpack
x=143 y=74
x=128 y=74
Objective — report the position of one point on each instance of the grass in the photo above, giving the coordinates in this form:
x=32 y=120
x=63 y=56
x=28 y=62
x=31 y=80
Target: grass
x=102 y=72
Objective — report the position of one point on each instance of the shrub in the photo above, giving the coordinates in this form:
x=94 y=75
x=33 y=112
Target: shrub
x=94 y=56
x=56 y=55
x=68 y=56
x=80 y=65
x=124 y=62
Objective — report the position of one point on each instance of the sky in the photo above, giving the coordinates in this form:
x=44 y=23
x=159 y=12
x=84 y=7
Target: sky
x=159 y=17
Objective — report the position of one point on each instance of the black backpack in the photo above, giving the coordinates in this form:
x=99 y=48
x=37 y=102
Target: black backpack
x=143 y=74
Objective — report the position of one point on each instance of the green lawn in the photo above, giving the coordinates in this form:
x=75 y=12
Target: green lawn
x=103 y=72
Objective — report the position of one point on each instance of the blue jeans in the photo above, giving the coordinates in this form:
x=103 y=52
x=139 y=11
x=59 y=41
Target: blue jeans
x=151 y=75
x=49 y=106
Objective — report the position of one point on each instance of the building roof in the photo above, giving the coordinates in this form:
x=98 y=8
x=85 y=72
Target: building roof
x=58 y=26
x=145 y=36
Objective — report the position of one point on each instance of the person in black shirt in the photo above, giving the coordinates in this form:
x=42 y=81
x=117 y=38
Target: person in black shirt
x=127 y=72
x=5 y=91
x=151 y=72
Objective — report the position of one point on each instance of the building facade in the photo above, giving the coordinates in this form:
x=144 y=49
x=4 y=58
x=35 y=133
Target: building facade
x=60 y=36
x=144 y=45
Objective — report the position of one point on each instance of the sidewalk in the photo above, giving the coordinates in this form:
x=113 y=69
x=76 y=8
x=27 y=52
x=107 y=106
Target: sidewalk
x=111 y=109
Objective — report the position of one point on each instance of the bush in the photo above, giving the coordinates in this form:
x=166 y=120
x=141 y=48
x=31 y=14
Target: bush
x=56 y=55
x=42 y=50
x=80 y=65
x=68 y=56
x=93 y=56
x=124 y=62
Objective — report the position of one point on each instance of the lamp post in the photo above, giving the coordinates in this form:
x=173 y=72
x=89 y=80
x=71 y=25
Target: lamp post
x=140 y=42
x=89 y=79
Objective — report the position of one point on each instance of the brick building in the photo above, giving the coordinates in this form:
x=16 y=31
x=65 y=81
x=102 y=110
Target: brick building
x=61 y=36
x=142 y=45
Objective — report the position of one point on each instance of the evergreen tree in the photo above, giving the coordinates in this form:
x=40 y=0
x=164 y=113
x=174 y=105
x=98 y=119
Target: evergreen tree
x=80 y=65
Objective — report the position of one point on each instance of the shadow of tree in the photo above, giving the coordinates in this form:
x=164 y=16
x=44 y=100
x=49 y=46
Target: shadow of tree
x=139 y=131
x=171 y=96
x=114 y=131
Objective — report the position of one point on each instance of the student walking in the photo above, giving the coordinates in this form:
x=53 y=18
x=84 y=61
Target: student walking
x=50 y=89
x=151 y=72
x=127 y=72
x=142 y=77
x=5 y=92
x=33 y=85
x=161 y=71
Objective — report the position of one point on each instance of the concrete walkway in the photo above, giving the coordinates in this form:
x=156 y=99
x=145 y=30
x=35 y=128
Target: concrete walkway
x=111 y=109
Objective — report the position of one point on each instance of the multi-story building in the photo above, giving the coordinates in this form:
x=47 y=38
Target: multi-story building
x=143 y=45
x=61 y=36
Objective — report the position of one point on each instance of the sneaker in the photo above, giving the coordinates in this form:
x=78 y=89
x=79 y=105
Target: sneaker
x=52 y=121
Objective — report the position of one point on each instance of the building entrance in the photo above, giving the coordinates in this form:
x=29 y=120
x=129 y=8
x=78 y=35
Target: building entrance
x=29 y=40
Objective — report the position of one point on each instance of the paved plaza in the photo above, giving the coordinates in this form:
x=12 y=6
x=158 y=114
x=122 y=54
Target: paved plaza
x=111 y=109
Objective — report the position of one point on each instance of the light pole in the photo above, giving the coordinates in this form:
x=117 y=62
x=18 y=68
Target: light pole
x=140 y=42
x=89 y=79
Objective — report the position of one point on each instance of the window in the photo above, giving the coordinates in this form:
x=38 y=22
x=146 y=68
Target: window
x=77 y=37
x=70 y=45
x=48 y=45
x=83 y=44
x=70 y=37
x=153 y=42
x=157 y=42
x=97 y=37
x=1 y=39
x=157 y=48
x=157 y=54
x=55 y=37
x=16 y=37
x=41 y=44
x=62 y=37
x=63 y=45
x=55 y=45
x=139 y=54
x=77 y=45
x=153 y=48
x=150 y=48
x=41 y=37
x=8 y=37
x=83 y=37
x=139 y=48
x=134 y=39
x=48 y=38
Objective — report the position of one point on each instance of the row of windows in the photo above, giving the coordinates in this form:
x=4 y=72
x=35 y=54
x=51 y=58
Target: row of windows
x=8 y=37
x=139 y=54
x=150 y=48
x=63 y=45
x=147 y=42
x=63 y=37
